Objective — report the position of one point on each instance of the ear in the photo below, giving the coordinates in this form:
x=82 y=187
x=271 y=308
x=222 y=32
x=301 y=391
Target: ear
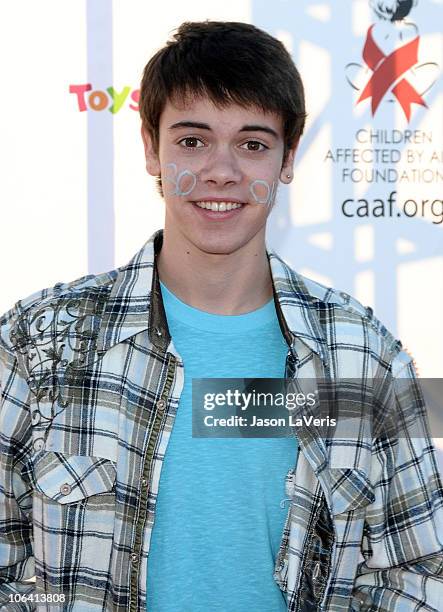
x=152 y=159
x=287 y=171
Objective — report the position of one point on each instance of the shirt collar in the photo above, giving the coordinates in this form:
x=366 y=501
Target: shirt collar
x=135 y=304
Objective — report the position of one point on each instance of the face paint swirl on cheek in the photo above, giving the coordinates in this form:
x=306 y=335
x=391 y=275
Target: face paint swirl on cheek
x=262 y=192
x=184 y=181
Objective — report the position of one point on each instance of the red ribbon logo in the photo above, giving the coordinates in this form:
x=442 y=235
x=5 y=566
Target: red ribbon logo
x=387 y=69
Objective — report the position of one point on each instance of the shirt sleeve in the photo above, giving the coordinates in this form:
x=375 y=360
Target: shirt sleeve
x=16 y=543
x=403 y=535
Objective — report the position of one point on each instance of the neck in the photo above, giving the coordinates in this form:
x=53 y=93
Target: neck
x=228 y=284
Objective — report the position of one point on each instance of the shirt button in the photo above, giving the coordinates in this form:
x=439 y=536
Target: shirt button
x=161 y=404
x=65 y=489
x=144 y=482
x=316 y=571
x=134 y=558
x=39 y=444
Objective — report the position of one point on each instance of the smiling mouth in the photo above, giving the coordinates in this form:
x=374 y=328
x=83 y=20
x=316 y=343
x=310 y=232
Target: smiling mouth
x=218 y=206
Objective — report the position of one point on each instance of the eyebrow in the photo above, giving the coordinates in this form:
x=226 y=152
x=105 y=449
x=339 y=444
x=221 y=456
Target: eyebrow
x=205 y=126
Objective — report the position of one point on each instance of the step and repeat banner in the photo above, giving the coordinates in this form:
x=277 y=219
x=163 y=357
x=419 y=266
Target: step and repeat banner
x=364 y=212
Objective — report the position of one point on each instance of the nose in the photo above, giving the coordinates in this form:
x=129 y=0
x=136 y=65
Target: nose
x=221 y=168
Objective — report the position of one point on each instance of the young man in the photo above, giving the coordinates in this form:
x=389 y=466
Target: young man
x=104 y=493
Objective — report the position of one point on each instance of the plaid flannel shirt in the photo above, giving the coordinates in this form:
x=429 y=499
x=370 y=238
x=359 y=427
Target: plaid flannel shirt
x=90 y=385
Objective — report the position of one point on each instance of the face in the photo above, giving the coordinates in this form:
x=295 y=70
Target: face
x=228 y=159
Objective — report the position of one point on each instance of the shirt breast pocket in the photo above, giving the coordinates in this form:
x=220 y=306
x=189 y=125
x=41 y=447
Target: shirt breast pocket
x=74 y=507
x=67 y=479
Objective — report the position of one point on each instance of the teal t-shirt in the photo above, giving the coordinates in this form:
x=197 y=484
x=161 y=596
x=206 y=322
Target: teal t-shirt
x=219 y=521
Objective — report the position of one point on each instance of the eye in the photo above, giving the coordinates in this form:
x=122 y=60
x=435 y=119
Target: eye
x=190 y=142
x=255 y=145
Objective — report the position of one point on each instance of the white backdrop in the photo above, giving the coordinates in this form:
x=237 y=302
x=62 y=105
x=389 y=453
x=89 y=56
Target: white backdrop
x=76 y=199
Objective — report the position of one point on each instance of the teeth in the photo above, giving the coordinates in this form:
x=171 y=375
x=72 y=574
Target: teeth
x=219 y=206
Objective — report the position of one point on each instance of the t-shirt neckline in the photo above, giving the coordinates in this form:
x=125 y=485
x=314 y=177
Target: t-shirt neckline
x=180 y=311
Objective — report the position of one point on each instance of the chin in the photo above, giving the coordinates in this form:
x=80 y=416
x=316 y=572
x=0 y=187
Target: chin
x=220 y=245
